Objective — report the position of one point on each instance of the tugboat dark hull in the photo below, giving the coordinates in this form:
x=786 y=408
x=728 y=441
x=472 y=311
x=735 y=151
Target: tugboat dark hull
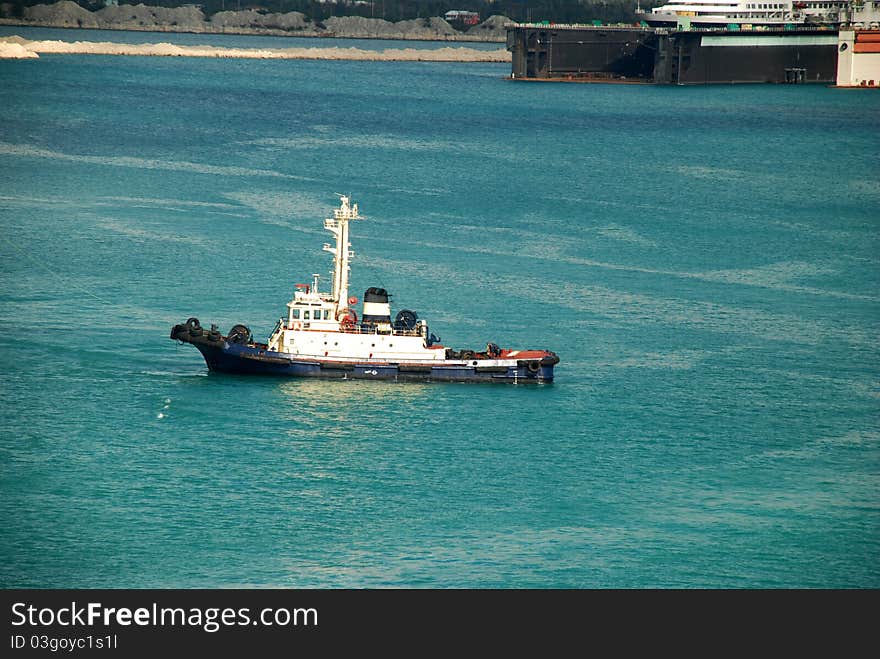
x=224 y=356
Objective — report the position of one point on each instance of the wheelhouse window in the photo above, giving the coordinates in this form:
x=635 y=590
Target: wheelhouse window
x=296 y=313
x=305 y=315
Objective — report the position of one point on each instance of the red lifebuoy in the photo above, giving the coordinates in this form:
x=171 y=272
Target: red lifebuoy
x=347 y=317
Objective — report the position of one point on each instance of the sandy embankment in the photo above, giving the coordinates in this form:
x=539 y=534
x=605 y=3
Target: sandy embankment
x=17 y=47
x=15 y=50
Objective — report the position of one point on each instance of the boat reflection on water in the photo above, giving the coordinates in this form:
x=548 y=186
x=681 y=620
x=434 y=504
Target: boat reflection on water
x=320 y=394
x=312 y=406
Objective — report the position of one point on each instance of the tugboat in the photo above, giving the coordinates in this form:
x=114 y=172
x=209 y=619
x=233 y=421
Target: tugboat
x=321 y=336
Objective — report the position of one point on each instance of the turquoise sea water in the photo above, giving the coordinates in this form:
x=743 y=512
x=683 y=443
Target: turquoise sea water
x=704 y=260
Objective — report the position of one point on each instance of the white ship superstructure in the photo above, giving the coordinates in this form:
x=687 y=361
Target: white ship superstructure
x=718 y=13
x=324 y=325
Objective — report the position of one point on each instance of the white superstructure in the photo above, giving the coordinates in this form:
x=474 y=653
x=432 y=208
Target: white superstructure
x=324 y=326
x=718 y=13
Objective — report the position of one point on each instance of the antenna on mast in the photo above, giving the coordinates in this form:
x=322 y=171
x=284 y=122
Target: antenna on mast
x=338 y=226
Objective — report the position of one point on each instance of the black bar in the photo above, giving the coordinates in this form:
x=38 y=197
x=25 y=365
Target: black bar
x=289 y=622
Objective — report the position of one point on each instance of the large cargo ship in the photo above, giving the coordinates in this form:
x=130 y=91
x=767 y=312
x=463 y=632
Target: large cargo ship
x=321 y=336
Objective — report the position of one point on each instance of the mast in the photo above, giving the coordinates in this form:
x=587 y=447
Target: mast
x=338 y=226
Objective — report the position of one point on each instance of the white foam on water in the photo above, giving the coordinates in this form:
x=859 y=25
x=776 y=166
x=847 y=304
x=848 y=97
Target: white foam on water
x=34 y=201
x=419 y=191
x=144 y=236
x=755 y=277
x=856 y=386
x=376 y=141
x=291 y=210
x=679 y=360
x=780 y=276
x=865 y=188
x=774 y=276
x=712 y=173
x=28 y=151
x=821 y=446
x=639 y=309
x=324 y=136
x=165 y=203
x=626 y=235
x=821 y=232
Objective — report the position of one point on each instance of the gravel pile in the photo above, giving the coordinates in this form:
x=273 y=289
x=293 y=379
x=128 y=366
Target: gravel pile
x=66 y=13
x=184 y=18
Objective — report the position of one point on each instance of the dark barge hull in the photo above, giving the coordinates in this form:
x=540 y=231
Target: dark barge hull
x=255 y=359
x=694 y=58
x=547 y=52
x=663 y=56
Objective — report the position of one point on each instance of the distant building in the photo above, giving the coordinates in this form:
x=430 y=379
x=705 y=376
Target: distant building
x=462 y=17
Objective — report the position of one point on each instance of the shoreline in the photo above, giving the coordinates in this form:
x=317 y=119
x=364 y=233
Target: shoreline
x=16 y=47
